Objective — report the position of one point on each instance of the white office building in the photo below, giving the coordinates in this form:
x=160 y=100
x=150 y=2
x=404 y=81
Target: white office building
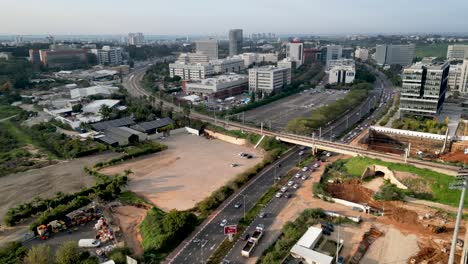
x=208 y=47
x=424 y=88
x=362 y=54
x=463 y=84
x=339 y=62
x=251 y=58
x=229 y=64
x=190 y=71
x=193 y=57
x=295 y=51
x=455 y=77
x=332 y=52
x=457 y=52
x=341 y=74
x=108 y=55
x=220 y=86
x=268 y=78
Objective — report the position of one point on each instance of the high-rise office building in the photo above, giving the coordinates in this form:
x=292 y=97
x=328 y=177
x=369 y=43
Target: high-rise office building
x=208 y=47
x=457 y=52
x=424 y=88
x=268 y=78
x=394 y=54
x=331 y=52
x=295 y=51
x=136 y=39
x=463 y=84
x=235 y=41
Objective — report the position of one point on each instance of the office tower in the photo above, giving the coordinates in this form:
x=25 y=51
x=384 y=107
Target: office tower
x=235 y=41
x=136 y=39
x=394 y=54
x=268 y=78
x=295 y=51
x=208 y=47
x=457 y=52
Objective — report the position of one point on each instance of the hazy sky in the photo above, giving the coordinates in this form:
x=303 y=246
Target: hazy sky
x=167 y=17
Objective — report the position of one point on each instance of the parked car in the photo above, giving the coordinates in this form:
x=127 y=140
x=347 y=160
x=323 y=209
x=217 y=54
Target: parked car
x=284 y=189
x=287 y=195
x=223 y=223
x=304 y=169
x=297 y=176
x=304 y=177
x=88 y=243
x=238 y=205
x=340 y=260
x=301 y=153
x=262 y=215
x=316 y=165
x=279 y=194
x=246 y=237
x=290 y=183
x=233 y=165
x=295 y=186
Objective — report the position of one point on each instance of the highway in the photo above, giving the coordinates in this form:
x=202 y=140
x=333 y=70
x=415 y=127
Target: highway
x=206 y=239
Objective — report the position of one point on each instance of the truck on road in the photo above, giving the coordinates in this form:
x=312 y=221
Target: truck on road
x=252 y=241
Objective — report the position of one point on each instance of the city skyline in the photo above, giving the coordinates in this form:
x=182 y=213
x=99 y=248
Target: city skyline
x=196 y=17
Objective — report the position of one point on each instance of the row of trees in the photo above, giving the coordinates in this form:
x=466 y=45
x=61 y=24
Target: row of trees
x=421 y=124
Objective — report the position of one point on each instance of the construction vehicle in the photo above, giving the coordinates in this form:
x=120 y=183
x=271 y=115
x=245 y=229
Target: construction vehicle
x=252 y=241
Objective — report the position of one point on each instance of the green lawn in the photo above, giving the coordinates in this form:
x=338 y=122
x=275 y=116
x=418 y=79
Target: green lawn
x=8 y=110
x=19 y=134
x=438 y=182
x=433 y=50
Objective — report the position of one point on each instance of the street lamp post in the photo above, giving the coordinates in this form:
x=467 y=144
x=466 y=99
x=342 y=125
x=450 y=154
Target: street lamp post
x=462 y=175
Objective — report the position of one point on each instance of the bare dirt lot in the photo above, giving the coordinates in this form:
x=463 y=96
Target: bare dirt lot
x=129 y=219
x=299 y=105
x=188 y=171
x=67 y=176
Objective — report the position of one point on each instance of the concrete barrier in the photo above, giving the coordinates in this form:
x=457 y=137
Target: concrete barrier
x=345 y=203
x=232 y=140
x=388 y=175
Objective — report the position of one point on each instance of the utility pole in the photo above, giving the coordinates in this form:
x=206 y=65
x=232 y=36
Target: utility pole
x=270 y=124
x=347 y=121
x=462 y=175
x=261 y=128
x=320 y=132
x=243 y=117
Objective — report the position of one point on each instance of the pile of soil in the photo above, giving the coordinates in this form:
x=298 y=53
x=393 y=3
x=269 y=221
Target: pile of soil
x=404 y=216
x=455 y=157
x=354 y=192
x=429 y=255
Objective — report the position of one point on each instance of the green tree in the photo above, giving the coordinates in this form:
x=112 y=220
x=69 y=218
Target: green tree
x=77 y=108
x=105 y=111
x=39 y=255
x=252 y=97
x=67 y=253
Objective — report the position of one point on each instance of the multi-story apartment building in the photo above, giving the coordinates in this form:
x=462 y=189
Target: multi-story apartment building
x=136 y=39
x=235 y=41
x=220 y=86
x=108 y=55
x=457 y=52
x=208 y=47
x=268 y=78
x=424 y=88
x=295 y=51
x=394 y=54
x=190 y=71
x=362 y=54
x=229 y=64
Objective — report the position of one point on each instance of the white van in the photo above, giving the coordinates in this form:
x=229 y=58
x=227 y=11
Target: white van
x=88 y=243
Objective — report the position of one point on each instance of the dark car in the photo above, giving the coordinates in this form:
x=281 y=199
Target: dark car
x=246 y=237
x=287 y=195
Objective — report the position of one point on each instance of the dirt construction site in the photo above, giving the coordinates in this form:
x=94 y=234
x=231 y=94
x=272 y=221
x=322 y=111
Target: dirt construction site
x=432 y=229
x=187 y=172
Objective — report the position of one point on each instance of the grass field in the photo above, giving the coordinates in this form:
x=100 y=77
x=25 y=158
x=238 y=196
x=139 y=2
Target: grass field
x=8 y=110
x=433 y=50
x=438 y=182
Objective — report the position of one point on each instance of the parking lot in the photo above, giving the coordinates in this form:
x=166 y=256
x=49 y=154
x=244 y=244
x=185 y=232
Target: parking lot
x=188 y=171
x=280 y=112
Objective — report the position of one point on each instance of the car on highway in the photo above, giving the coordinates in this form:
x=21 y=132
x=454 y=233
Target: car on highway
x=223 y=223
x=290 y=183
x=284 y=189
x=279 y=194
x=298 y=175
x=305 y=168
x=295 y=186
x=237 y=205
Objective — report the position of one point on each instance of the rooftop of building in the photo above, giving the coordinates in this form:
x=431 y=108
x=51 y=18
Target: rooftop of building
x=224 y=78
x=429 y=63
x=268 y=68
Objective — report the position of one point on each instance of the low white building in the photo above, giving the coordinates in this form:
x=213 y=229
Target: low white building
x=221 y=86
x=229 y=64
x=105 y=91
x=193 y=57
x=95 y=106
x=268 y=78
x=287 y=63
x=190 y=71
x=341 y=74
x=362 y=54
x=252 y=58
x=308 y=247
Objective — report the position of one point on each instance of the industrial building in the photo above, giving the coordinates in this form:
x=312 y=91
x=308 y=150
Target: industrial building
x=152 y=127
x=218 y=87
x=394 y=54
x=424 y=88
x=104 y=91
x=63 y=58
x=268 y=79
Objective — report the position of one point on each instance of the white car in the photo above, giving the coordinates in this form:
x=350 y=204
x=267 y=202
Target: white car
x=290 y=183
x=305 y=169
x=278 y=195
x=301 y=153
x=89 y=243
x=295 y=186
x=284 y=189
x=305 y=177
x=316 y=165
x=297 y=176
x=223 y=223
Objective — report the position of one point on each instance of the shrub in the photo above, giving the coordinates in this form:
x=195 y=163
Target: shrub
x=12 y=253
x=389 y=192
